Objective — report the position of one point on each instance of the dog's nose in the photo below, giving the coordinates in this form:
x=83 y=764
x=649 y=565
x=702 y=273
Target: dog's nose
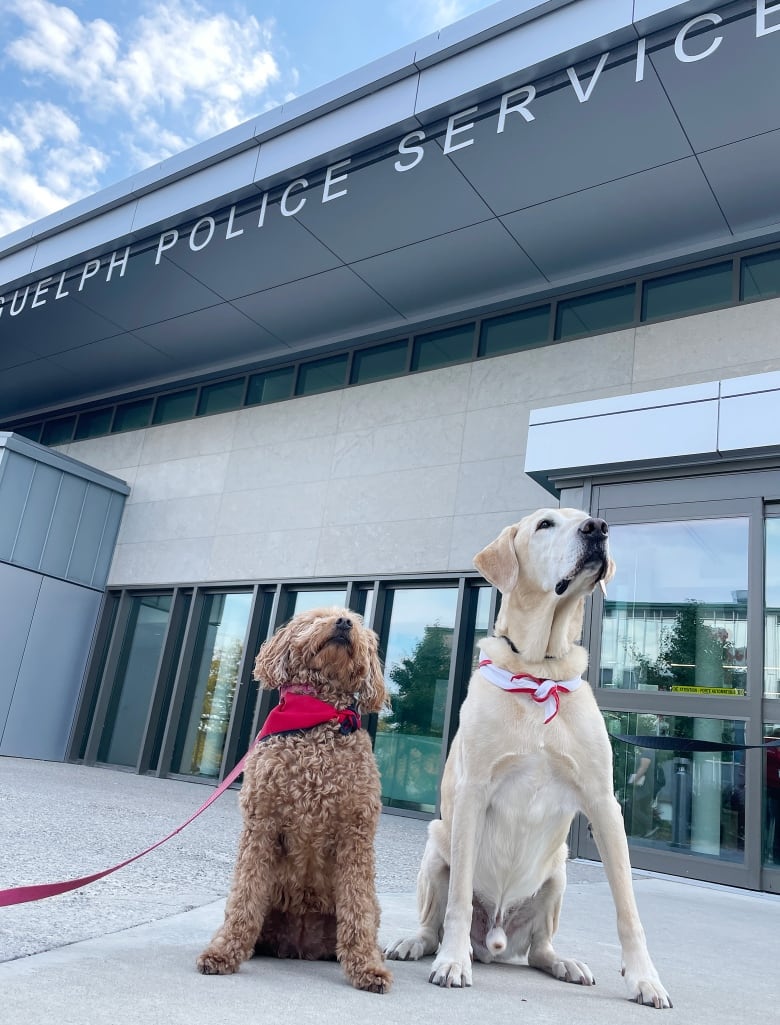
x=343 y=623
x=595 y=526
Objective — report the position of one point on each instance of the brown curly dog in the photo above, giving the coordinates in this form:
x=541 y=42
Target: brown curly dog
x=303 y=885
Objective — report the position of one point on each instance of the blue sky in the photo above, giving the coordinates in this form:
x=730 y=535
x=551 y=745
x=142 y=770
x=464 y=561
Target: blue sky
x=95 y=91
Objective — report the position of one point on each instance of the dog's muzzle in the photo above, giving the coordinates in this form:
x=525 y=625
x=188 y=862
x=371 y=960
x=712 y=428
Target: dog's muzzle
x=593 y=533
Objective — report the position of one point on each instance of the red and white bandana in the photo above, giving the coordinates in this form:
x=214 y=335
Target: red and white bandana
x=544 y=692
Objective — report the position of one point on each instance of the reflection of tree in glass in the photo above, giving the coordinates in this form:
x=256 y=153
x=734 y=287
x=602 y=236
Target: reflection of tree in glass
x=416 y=679
x=691 y=654
x=218 y=697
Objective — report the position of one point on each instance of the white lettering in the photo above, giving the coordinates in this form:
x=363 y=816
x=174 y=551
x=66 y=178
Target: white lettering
x=41 y=289
x=529 y=91
x=404 y=148
x=640 y=60
x=679 y=50
x=15 y=312
x=90 y=270
x=59 y=293
x=121 y=262
x=211 y=224
x=584 y=96
x=327 y=195
x=229 y=233
x=299 y=183
x=263 y=205
x=452 y=130
x=761 y=12
x=162 y=245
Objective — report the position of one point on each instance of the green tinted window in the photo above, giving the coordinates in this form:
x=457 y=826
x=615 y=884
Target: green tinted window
x=441 y=348
x=58 y=432
x=31 y=431
x=599 y=311
x=321 y=375
x=178 y=406
x=92 y=425
x=219 y=398
x=380 y=362
x=515 y=331
x=760 y=275
x=272 y=386
x=132 y=416
x=687 y=292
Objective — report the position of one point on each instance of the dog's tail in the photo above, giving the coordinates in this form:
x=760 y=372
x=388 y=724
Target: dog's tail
x=495 y=941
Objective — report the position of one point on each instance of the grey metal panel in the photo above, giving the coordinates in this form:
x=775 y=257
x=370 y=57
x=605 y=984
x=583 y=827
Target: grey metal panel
x=90 y=236
x=215 y=336
x=576 y=31
x=57 y=325
x=64 y=522
x=15 y=483
x=105 y=554
x=627 y=403
x=281 y=250
x=480 y=260
x=44 y=701
x=707 y=94
x=386 y=209
x=318 y=307
x=126 y=357
x=650 y=15
x=624 y=127
x=19 y=591
x=642 y=217
x=746 y=207
x=380 y=115
x=204 y=187
x=749 y=423
x=34 y=527
x=36 y=385
x=89 y=535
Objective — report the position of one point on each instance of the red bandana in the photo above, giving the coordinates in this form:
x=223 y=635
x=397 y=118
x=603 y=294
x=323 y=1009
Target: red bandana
x=302 y=712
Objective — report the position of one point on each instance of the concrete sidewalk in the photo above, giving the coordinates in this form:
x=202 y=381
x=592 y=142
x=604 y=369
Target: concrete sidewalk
x=122 y=951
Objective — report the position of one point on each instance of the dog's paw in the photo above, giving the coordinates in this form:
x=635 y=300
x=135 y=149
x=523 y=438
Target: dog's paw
x=411 y=949
x=648 y=991
x=212 y=962
x=373 y=979
x=573 y=971
x=451 y=974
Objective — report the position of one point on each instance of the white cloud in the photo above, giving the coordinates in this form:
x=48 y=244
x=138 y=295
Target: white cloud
x=175 y=74
x=424 y=16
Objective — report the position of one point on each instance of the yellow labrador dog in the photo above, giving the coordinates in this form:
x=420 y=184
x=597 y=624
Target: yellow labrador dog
x=531 y=751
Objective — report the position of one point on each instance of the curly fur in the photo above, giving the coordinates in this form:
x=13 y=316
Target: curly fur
x=303 y=885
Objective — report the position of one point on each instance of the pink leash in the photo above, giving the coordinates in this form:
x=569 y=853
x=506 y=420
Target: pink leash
x=24 y=894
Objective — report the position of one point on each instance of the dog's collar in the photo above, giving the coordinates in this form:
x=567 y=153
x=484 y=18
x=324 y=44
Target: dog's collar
x=296 y=712
x=544 y=692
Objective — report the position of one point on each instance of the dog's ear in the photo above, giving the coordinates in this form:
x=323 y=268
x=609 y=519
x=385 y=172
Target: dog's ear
x=272 y=665
x=372 y=696
x=498 y=562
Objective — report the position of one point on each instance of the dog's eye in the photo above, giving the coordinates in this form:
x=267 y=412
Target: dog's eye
x=544 y=524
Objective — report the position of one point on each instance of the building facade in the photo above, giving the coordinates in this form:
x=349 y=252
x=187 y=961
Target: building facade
x=332 y=353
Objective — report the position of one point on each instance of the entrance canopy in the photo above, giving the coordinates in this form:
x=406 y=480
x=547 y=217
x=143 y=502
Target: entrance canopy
x=533 y=148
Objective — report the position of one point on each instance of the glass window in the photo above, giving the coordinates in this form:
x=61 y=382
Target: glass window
x=515 y=331
x=58 y=432
x=379 y=362
x=304 y=601
x=687 y=292
x=418 y=632
x=681 y=801
x=441 y=348
x=120 y=743
x=760 y=275
x=212 y=683
x=94 y=424
x=272 y=386
x=599 y=311
x=481 y=623
x=221 y=397
x=178 y=406
x=132 y=416
x=772 y=609
x=321 y=375
x=772 y=796
x=675 y=616
x=31 y=431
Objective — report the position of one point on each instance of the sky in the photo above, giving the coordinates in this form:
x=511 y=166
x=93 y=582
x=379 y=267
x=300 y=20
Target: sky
x=92 y=92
